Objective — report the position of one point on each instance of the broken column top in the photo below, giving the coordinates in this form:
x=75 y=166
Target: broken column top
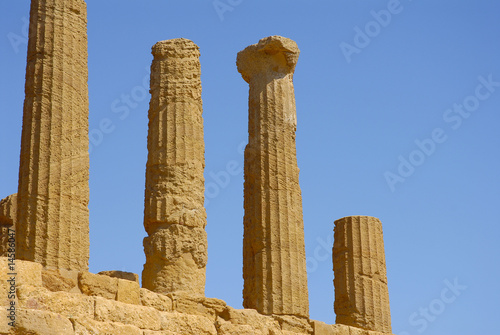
x=357 y=216
x=273 y=54
x=8 y=210
x=177 y=47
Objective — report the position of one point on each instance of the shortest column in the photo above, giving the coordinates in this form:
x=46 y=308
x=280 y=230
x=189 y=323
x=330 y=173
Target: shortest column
x=361 y=292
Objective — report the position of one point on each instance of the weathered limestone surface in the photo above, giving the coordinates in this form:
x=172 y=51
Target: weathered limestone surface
x=122 y=275
x=123 y=290
x=62 y=303
x=53 y=194
x=174 y=214
x=361 y=292
x=40 y=311
x=54 y=281
x=274 y=262
x=88 y=326
x=37 y=322
x=8 y=217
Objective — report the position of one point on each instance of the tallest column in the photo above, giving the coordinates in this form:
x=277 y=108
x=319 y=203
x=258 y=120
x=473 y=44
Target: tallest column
x=274 y=262
x=53 y=194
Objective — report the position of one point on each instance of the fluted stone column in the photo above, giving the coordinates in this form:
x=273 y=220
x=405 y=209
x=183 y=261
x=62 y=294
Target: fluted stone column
x=174 y=215
x=274 y=262
x=53 y=194
x=361 y=292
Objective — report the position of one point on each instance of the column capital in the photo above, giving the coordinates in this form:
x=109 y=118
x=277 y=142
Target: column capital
x=273 y=56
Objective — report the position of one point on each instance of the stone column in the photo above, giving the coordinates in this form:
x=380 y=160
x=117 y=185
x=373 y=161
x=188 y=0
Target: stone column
x=8 y=217
x=361 y=293
x=174 y=214
x=274 y=262
x=53 y=194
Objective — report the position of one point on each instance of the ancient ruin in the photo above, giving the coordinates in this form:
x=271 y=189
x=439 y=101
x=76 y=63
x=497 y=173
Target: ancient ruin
x=53 y=194
x=174 y=214
x=48 y=289
x=274 y=260
x=361 y=292
x=8 y=217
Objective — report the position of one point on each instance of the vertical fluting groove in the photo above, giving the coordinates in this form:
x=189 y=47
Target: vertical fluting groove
x=174 y=213
x=60 y=230
x=361 y=293
x=73 y=253
x=273 y=245
x=53 y=196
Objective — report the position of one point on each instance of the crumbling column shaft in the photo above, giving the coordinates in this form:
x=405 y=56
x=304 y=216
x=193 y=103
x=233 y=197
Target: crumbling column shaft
x=53 y=194
x=174 y=215
x=8 y=218
x=361 y=292
x=274 y=263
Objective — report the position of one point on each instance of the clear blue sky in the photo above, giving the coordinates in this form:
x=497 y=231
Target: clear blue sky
x=397 y=118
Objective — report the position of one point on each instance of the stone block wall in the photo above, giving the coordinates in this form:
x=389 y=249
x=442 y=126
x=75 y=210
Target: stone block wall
x=49 y=302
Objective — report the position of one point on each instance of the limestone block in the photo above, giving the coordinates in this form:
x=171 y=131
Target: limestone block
x=128 y=292
x=321 y=328
x=116 y=311
x=197 y=305
x=217 y=305
x=274 y=262
x=6 y=288
x=53 y=192
x=28 y=273
x=361 y=291
x=174 y=213
x=98 y=285
x=36 y=322
x=227 y=328
x=88 y=326
x=340 y=329
x=284 y=332
x=295 y=324
x=54 y=281
x=8 y=217
x=161 y=332
x=359 y=331
x=5 y=329
x=121 y=275
x=261 y=323
x=187 y=324
x=63 y=303
x=158 y=301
